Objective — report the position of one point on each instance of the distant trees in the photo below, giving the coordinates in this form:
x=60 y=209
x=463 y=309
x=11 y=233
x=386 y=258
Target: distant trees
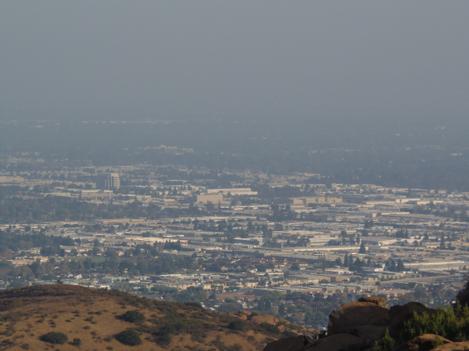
x=172 y=246
x=295 y=266
x=348 y=260
x=143 y=263
x=346 y=239
x=191 y=294
x=282 y=213
x=362 y=249
x=14 y=208
x=14 y=241
x=356 y=264
x=402 y=234
x=394 y=265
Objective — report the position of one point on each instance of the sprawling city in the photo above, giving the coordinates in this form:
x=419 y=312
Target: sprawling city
x=290 y=245
x=234 y=175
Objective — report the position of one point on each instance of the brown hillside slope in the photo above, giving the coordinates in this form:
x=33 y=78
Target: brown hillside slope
x=91 y=319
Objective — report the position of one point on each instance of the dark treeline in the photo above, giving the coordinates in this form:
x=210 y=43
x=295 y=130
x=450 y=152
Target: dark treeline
x=13 y=241
x=15 y=209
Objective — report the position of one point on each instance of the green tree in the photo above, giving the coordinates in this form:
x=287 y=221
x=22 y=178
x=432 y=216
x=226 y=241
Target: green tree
x=386 y=343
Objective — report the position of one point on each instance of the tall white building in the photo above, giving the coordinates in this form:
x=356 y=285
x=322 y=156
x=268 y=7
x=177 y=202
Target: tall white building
x=109 y=181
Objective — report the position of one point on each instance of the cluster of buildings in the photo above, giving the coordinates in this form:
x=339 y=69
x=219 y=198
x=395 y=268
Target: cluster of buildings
x=250 y=234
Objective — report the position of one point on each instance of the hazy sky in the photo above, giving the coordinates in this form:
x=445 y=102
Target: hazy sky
x=234 y=59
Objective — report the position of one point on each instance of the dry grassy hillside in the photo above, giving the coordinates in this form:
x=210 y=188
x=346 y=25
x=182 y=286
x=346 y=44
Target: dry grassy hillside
x=60 y=317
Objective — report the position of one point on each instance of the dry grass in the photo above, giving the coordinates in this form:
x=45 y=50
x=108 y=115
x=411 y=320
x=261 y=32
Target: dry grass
x=91 y=316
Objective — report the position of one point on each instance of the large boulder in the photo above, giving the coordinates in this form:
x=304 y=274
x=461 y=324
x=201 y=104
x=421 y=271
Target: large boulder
x=399 y=314
x=377 y=300
x=338 y=342
x=454 y=346
x=426 y=342
x=370 y=333
x=295 y=343
x=356 y=314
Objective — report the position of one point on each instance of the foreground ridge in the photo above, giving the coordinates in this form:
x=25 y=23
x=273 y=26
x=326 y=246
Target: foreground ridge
x=64 y=317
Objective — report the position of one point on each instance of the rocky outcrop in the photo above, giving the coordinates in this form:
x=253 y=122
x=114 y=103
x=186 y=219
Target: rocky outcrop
x=454 y=346
x=355 y=325
x=377 y=300
x=367 y=323
x=399 y=314
x=425 y=342
x=296 y=343
x=350 y=317
x=338 y=342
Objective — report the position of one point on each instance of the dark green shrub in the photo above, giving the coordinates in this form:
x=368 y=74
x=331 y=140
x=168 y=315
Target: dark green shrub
x=163 y=336
x=175 y=324
x=451 y=323
x=132 y=317
x=76 y=342
x=238 y=325
x=194 y=304
x=386 y=343
x=129 y=337
x=164 y=333
x=269 y=327
x=54 y=338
